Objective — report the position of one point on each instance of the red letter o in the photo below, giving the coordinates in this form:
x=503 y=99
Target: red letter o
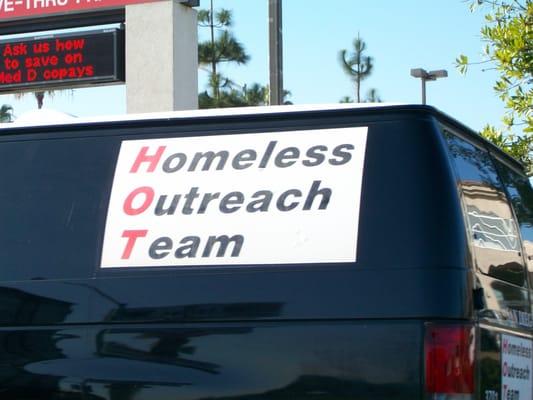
x=148 y=199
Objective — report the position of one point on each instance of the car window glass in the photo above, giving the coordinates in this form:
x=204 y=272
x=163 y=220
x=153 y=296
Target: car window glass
x=52 y=199
x=492 y=230
x=521 y=196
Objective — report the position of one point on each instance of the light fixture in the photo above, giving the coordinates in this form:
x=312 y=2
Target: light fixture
x=427 y=76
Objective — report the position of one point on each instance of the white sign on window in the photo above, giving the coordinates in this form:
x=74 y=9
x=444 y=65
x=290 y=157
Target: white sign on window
x=517 y=356
x=261 y=198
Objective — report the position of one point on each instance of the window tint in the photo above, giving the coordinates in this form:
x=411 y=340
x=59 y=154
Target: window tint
x=521 y=196
x=491 y=227
x=53 y=196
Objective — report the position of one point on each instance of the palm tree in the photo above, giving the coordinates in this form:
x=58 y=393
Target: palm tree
x=220 y=48
x=6 y=113
x=256 y=94
x=356 y=65
x=39 y=96
x=223 y=47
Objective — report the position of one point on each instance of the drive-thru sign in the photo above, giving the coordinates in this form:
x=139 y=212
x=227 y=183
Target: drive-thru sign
x=11 y=9
x=28 y=64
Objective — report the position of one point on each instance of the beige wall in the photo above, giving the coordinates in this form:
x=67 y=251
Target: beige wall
x=161 y=57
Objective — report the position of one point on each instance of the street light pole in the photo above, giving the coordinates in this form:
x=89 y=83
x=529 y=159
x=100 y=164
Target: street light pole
x=423 y=80
x=427 y=76
x=275 y=51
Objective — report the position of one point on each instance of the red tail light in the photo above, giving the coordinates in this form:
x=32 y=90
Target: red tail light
x=450 y=352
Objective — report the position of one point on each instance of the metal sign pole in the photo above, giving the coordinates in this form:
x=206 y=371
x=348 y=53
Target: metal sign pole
x=276 y=51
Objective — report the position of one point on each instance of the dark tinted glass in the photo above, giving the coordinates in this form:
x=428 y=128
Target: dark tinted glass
x=491 y=226
x=52 y=203
x=521 y=196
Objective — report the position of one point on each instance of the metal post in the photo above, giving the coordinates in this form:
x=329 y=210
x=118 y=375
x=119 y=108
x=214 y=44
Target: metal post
x=275 y=51
x=427 y=76
x=423 y=90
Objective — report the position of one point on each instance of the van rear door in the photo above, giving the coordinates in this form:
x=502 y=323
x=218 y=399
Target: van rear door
x=498 y=206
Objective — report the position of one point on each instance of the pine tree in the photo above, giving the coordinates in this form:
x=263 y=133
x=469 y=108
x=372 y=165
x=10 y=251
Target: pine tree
x=221 y=47
x=356 y=65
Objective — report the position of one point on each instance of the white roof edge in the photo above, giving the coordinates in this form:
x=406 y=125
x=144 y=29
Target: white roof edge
x=36 y=121
x=43 y=116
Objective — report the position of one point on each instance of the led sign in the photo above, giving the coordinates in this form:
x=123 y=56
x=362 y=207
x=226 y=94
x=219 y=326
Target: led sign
x=73 y=60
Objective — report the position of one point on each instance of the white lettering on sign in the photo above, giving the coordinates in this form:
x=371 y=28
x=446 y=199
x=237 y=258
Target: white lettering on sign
x=7 y=5
x=517 y=363
x=265 y=198
x=11 y=9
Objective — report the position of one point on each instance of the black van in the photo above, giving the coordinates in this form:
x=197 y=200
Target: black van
x=349 y=253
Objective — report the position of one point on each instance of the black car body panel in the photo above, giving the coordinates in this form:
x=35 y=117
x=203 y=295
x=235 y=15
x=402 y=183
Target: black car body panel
x=71 y=329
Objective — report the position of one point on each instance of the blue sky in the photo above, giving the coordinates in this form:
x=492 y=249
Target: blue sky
x=400 y=35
